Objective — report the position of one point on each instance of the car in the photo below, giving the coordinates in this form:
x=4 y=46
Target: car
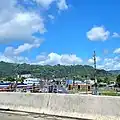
x=60 y=91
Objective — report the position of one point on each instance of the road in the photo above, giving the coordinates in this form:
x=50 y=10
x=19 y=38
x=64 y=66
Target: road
x=26 y=116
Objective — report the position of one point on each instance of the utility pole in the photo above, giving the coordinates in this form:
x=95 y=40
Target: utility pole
x=86 y=84
x=95 y=79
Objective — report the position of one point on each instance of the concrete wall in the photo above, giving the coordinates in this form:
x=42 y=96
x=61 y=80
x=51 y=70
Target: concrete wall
x=79 y=106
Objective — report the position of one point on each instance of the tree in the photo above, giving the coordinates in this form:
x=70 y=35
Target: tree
x=118 y=80
x=106 y=80
x=46 y=71
x=99 y=80
x=10 y=79
x=22 y=79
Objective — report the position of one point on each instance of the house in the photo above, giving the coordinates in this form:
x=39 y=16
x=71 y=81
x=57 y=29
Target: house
x=112 y=84
x=78 y=84
x=31 y=81
x=91 y=82
x=24 y=74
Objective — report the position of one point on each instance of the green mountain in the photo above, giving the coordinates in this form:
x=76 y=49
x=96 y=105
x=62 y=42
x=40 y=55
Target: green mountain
x=115 y=72
x=47 y=71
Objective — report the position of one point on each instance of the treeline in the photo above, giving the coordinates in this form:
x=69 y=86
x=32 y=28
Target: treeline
x=48 y=72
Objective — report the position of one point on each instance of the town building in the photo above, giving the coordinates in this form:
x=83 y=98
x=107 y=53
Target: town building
x=31 y=81
x=80 y=85
x=24 y=75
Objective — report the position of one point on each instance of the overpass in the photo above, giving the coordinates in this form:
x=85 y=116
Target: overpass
x=63 y=105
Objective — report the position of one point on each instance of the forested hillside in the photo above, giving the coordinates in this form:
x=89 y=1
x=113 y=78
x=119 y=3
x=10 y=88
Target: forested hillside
x=115 y=72
x=47 y=71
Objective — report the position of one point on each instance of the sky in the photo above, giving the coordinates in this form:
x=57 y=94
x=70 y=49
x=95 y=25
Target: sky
x=66 y=32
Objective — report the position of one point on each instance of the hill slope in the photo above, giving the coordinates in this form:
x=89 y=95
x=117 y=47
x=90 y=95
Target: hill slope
x=47 y=71
x=116 y=72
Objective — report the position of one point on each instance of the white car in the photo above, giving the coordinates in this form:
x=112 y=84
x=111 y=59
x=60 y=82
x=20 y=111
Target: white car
x=59 y=91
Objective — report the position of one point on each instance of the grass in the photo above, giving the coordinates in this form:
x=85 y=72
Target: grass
x=75 y=90
x=110 y=93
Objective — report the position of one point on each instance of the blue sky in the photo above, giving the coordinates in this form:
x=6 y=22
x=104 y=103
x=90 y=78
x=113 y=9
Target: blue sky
x=60 y=32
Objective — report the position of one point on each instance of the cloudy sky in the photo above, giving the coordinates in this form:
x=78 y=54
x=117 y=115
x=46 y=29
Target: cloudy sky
x=60 y=32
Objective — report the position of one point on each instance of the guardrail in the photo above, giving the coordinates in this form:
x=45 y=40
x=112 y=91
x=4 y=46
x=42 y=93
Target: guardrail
x=74 y=106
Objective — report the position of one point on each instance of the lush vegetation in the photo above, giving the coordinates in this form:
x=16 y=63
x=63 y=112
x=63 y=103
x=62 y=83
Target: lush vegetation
x=118 y=80
x=110 y=93
x=116 y=72
x=58 y=71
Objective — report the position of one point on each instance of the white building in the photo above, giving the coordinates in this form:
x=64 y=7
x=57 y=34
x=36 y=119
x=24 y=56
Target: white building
x=91 y=82
x=78 y=82
x=31 y=81
x=24 y=76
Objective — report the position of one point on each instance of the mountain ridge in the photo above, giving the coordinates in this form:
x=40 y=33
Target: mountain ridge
x=47 y=71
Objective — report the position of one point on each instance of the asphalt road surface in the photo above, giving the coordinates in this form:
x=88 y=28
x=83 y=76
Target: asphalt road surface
x=26 y=116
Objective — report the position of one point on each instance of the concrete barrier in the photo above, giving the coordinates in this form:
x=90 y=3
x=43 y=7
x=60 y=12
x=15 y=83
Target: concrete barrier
x=76 y=106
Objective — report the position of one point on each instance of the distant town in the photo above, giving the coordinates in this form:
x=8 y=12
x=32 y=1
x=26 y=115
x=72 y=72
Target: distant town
x=75 y=79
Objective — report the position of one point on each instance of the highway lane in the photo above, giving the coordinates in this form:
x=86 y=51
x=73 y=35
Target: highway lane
x=26 y=116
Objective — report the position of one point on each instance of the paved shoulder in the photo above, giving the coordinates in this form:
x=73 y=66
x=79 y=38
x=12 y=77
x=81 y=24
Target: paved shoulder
x=22 y=116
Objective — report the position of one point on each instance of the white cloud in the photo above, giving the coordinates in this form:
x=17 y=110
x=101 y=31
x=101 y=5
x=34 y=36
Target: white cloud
x=117 y=51
x=5 y=59
x=10 y=51
x=63 y=59
x=14 y=59
x=43 y=59
x=21 y=23
x=27 y=46
x=91 y=61
x=21 y=27
x=62 y=5
x=18 y=23
x=101 y=67
x=107 y=63
x=115 y=35
x=70 y=59
x=44 y=3
x=54 y=58
x=110 y=63
x=51 y=17
x=98 y=34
